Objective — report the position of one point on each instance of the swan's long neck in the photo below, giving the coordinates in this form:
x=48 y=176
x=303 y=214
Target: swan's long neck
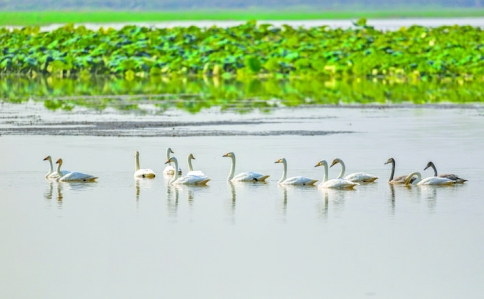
x=58 y=169
x=175 y=177
x=393 y=172
x=136 y=166
x=190 y=167
x=325 y=178
x=232 y=169
x=408 y=179
x=343 y=169
x=434 y=168
x=51 y=168
x=284 y=171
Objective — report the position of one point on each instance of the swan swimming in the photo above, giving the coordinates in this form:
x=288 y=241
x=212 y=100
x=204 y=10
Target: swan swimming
x=244 y=176
x=73 y=176
x=188 y=179
x=54 y=174
x=297 y=180
x=449 y=176
x=398 y=179
x=433 y=180
x=337 y=183
x=142 y=173
x=170 y=170
x=190 y=167
x=358 y=177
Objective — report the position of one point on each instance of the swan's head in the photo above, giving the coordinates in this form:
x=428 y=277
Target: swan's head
x=229 y=154
x=136 y=154
x=48 y=158
x=59 y=161
x=335 y=161
x=430 y=164
x=169 y=151
x=282 y=160
x=172 y=159
x=391 y=160
x=190 y=156
x=322 y=163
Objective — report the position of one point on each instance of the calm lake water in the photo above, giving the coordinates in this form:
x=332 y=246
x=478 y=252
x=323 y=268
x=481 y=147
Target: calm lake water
x=123 y=238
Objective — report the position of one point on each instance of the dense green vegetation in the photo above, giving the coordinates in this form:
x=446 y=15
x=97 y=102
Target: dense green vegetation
x=39 y=18
x=248 y=50
x=195 y=94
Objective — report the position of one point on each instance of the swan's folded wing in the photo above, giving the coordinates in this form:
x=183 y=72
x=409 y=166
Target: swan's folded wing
x=360 y=177
x=78 y=177
x=299 y=180
x=144 y=173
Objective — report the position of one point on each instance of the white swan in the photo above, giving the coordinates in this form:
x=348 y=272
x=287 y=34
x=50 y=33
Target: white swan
x=190 y=167
x=398 y=179
x=449 y=176
x=297 y=180
x=433 y=180
x=142 y=173
x=170 y=170
x=188 y=179
x=73 y=176
x=358 y=177
x=244 y=176
x=53 y=174
x=333 y=183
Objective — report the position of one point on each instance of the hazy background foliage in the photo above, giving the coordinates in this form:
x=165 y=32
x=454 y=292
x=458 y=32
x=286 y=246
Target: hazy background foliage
x=24 y=5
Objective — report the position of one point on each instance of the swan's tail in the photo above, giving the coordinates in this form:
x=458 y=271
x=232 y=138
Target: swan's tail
x=262 y=178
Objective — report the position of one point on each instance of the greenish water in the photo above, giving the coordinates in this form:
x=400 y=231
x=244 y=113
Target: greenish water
x=194 y=95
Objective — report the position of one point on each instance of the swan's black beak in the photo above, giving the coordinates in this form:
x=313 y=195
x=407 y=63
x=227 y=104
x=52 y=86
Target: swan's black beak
x=167 y=161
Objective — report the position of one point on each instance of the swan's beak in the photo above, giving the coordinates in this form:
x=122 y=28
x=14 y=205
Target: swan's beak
x=426 y=167
x=169 y=160
x=58 y=161
x=46 y=158
x=317 y=165
x=278 y=161
x=386 y=162
x=226 y=155
x=333 y=164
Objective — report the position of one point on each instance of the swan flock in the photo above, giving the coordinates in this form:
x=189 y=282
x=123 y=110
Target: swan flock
x=198 y=177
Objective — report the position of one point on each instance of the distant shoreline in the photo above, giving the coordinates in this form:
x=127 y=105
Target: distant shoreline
x=38 y=18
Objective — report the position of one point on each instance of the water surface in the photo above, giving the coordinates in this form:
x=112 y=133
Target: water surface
x=124 y=238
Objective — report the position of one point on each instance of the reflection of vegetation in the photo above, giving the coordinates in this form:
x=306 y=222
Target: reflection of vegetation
x=195 y=94
x=246 y=51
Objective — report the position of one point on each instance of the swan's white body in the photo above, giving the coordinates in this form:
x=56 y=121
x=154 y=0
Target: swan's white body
x=142 y=173
x=73 y=176
x=170 y=170
x=53 y=175
x=399 y=179
x=333 y=183
x=188 y=179
x=433 y=180
x=297 y=180
x=244 y=176
x=357 y=177
x=449 y=176
x=190 y=167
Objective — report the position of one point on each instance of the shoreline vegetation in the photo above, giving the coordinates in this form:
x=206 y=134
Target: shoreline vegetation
x=42 y=18
x=250 y=50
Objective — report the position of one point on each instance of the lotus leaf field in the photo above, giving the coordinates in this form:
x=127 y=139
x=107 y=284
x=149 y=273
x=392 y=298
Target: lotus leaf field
x=248 y=50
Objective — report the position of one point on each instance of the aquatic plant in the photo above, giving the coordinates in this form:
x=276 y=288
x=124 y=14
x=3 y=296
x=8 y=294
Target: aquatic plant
x=249 y=50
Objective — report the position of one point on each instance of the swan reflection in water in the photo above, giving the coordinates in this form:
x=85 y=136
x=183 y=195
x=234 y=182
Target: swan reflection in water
x=49 y=193
x=231 y=203
x=336 y=197
x=141 y=183
x=172 y=195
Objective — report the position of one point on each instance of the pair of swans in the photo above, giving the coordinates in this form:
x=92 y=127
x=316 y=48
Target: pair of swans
x=169 y=169
x=65 y=175
x=415 y=178
x=443 y=179
x=192 y=178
